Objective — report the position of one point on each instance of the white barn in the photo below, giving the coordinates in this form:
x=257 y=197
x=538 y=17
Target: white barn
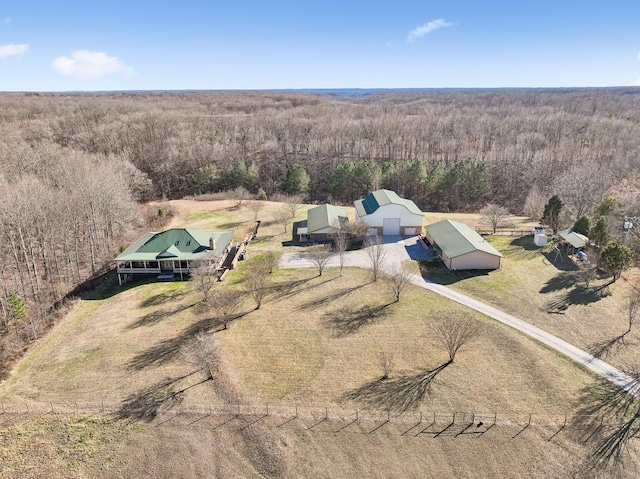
x=460 y=247
x=388 y=214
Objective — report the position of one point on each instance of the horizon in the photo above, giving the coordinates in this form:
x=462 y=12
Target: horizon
x=115 y=46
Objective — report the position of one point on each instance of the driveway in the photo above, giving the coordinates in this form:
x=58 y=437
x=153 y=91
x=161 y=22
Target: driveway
x=398 y=249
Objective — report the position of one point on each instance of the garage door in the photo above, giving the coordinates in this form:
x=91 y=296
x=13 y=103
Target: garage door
x=391 y=226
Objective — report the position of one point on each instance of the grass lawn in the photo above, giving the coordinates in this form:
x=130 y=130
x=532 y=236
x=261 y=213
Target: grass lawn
x=313 y=343
x=546 y=291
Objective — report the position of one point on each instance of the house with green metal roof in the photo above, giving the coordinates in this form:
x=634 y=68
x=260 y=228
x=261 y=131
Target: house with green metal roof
x=321 y=222
x=388 y=214
x=460 y=247
x=174 y=251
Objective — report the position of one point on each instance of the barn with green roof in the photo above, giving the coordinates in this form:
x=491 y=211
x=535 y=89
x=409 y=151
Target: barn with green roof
x=388 y=214
x=173 y=252
x=460 y=247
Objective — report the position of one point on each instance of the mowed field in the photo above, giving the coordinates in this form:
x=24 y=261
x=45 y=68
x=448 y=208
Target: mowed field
x=110 y=391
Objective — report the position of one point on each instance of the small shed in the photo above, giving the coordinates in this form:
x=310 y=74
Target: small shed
x=460 y=247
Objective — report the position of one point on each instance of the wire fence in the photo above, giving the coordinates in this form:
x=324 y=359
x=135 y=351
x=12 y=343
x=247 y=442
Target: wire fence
x=327 y=419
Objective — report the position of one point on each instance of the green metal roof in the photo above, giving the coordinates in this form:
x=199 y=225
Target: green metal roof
x=324 y=216
x=376 y=199
x=181 y=244
x=456 y=239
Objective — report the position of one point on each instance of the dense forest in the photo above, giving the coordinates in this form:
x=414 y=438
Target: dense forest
x=74 y=166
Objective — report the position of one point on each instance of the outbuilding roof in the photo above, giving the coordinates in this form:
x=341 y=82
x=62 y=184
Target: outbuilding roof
x=324 y=216
x=181 y=244
x=457 y=239
x=576 y=240
x=376 y=199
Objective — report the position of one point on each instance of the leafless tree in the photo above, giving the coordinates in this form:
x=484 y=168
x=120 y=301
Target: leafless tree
x=282 y=216
x=376 y=253
x=396 y=280
x=201 y=351
x=632 y=310
x=203 y=278
x=356 y=230
x=386 y=362
x=256 y=207
x=293 y=203
x=257 y=280
x=494 y=215
x=240 y=196
x=225 y=303
x=319 y=256
x=341 y=241
x=455 y=332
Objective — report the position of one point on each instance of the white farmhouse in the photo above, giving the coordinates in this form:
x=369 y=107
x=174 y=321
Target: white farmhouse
x=388 y=214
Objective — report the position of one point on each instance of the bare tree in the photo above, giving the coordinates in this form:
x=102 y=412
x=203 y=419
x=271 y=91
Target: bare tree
x=282 y=216
x=455 y=332
x=356 y=230
x=240 y=196
x=397 y=280
x=494 y=215
x=341 y=241
x=319 y=256
x=225 y=303
x=257 y=281
x=269 y=259
x=632 y=310
x=203 y=278
x=385 y=360
x=256 y=207
x=201 y=351
x=376 y=253
x=293 y=203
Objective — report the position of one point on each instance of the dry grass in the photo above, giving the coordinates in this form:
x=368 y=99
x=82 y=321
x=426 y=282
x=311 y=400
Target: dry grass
x=547 y=292
x=314 y=340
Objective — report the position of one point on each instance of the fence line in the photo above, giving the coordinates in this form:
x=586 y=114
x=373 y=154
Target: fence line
x=315 y=413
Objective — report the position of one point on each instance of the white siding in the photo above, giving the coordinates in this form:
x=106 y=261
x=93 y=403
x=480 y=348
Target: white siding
x=391 y=226
x=392 y=211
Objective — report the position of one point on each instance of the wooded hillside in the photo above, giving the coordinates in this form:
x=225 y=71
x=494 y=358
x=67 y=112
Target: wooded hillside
x=74 y=165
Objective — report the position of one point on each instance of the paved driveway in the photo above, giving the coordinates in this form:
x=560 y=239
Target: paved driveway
x=398 y=249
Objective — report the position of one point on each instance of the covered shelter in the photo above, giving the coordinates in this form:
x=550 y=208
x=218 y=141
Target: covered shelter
x=388 y=214
x=172 y=252
x=321 y=222
x=573 y=240
x=460 y=247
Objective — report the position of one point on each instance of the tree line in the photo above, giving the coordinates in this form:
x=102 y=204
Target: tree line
x=75 y=165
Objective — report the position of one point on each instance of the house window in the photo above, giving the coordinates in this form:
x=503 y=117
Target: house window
x=176 y=243
x=189 y=243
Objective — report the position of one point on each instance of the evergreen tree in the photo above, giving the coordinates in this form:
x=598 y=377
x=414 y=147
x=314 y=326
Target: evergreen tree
x=615 y=258
x=297 y=181
x=583 y=225
x=551 y=214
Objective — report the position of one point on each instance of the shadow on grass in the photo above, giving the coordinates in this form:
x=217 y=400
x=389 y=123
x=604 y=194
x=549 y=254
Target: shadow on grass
x=436 y=272
x=604 y=349
x=161 y=298
x=562 y=281
x=348 y=321
x=262 y=239
x=578 y=295
x=154 y=317
x=290 y=288
x=168 y=349
x=340 y=293
x=397 y=395
x=561 y=261
x=525 y=242
x=231 y=225
x=145 y=404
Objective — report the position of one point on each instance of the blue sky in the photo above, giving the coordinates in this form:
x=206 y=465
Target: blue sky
x=66 y=45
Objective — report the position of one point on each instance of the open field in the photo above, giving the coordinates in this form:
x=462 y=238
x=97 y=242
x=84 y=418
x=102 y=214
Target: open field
x=547 y=292
x=315 y=345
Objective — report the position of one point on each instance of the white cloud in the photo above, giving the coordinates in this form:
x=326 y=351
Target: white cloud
x=13 y=50
x=86 y=64
x=422 y=30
